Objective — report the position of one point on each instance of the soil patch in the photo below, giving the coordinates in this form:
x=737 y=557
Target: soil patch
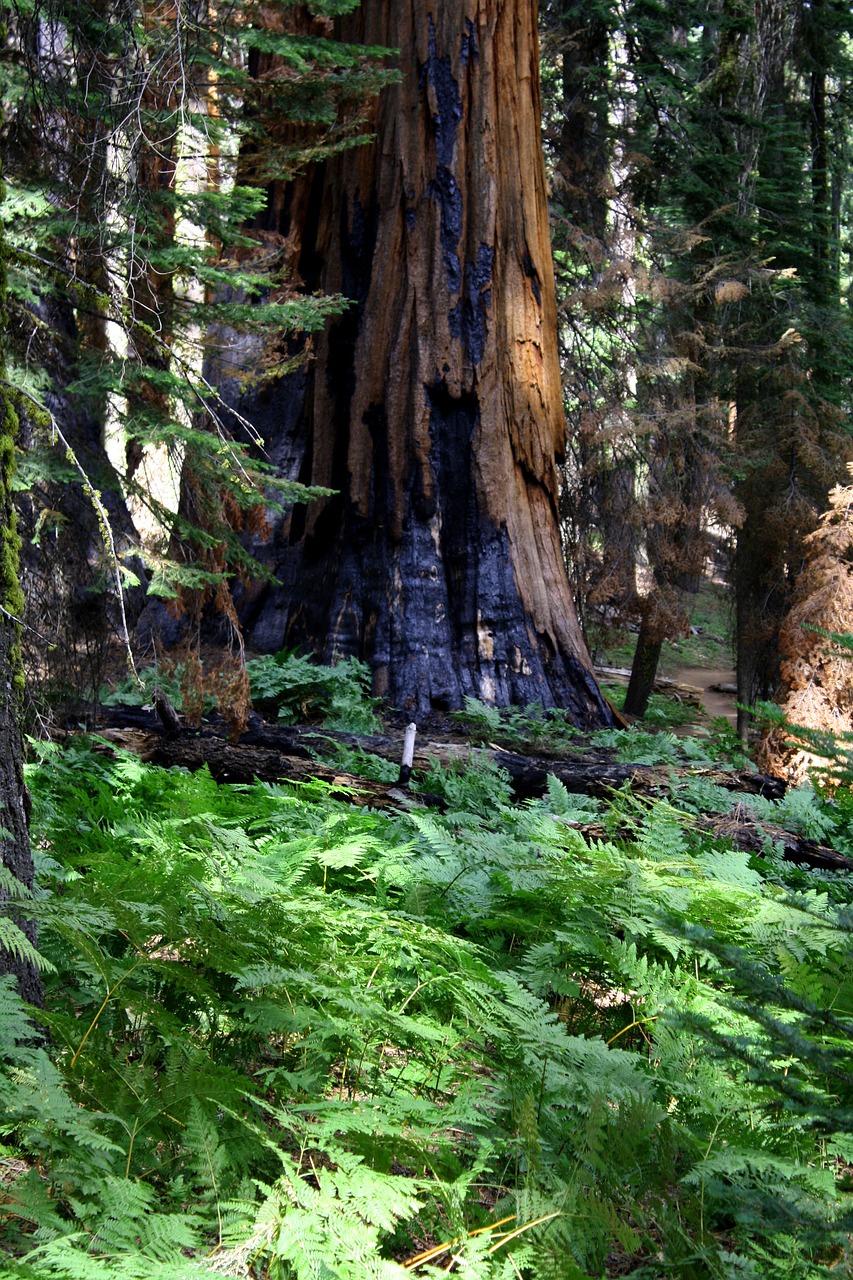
x=716 y=703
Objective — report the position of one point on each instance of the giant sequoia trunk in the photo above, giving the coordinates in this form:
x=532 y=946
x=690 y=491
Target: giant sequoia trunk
x=433 y=405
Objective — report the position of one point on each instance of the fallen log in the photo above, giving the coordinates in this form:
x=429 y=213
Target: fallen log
x=752 y=836
x=239 y=763
x=596 y=775
x=748 y=836
x=244 y=763
x=584 y=770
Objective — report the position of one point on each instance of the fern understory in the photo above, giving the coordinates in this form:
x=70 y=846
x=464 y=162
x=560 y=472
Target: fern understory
x=284 y=1037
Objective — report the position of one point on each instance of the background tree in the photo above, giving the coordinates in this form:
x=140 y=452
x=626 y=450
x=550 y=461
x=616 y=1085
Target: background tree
x=16 y=862
x=643 y=471
x=733 y=301
x=126 y=116
x=433 y=405
x=816 y=673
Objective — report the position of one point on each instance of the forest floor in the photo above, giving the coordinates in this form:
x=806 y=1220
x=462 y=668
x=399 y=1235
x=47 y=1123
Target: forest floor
x=712 y=681
x=506 y=1002
x=701 y=661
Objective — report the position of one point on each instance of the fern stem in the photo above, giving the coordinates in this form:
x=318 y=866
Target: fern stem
x=526 y=1226
x=437 y=1066
x=438 y=1249
x=130 y=1147
x=104 y=1004
x=360 y=1063
x=439 y=977
x=638 y=1022
x=541 y=1090
x=514 y=1266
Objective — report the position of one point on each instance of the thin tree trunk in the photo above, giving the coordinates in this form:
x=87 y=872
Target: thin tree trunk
x=14 y=832
x=644 y=669
x=434 y=404
x=15 y=852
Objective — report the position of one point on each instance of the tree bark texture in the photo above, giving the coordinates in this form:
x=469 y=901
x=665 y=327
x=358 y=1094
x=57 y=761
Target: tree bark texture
x=15 y=852
x=643 y=671
x=14 y=830
x=433 y=405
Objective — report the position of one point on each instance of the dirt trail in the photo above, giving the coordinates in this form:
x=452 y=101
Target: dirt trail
x=716 y=704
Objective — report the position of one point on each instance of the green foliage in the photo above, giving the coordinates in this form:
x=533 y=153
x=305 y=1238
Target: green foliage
x=132 y=692
x=140 y=147
x=547 y=731
x=289 y=1038
x=665 y=711
x=284 y=685
x=296 y=688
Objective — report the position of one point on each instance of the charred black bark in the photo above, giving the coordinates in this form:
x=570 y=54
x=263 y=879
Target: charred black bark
x=437 y=612
x=643 y=672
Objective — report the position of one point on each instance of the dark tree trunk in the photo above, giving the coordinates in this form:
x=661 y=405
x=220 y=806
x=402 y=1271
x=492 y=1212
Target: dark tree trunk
x=584 y=163
x=73 y=616
x=15 y=853
x=644 y=669
x=434 y=403
x=14 y=833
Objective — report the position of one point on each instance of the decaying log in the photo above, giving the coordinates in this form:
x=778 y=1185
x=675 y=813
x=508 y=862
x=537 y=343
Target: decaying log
x=585 y=770
x=596 y=775
x=290 y=759
x=167 y=714
x=745 y=834
x=232 y=763
x=752 y=836
x=245 y=762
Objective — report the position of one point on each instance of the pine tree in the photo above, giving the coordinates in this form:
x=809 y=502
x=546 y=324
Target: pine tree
x=741 y=339
x=127 y=116
x=647 y=434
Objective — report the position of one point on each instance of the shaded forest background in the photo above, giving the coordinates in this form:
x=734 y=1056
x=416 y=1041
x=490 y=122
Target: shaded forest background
x=698 y=163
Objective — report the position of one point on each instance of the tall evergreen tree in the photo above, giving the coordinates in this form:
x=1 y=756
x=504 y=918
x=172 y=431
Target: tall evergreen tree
x=125 y=115
x=742 y=351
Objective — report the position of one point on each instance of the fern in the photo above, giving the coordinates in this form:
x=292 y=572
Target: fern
x=13 y=940
x=311 y=1038
x=283 y=685
x=296 y=688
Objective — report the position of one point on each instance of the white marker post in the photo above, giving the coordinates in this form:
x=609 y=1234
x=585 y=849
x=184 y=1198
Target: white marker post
x=408 y=755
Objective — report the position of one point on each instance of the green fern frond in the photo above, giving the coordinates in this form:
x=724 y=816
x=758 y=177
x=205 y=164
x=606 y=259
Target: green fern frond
x=15 y=941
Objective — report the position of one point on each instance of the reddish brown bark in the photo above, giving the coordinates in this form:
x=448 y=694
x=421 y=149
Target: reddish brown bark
x=434 y=404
